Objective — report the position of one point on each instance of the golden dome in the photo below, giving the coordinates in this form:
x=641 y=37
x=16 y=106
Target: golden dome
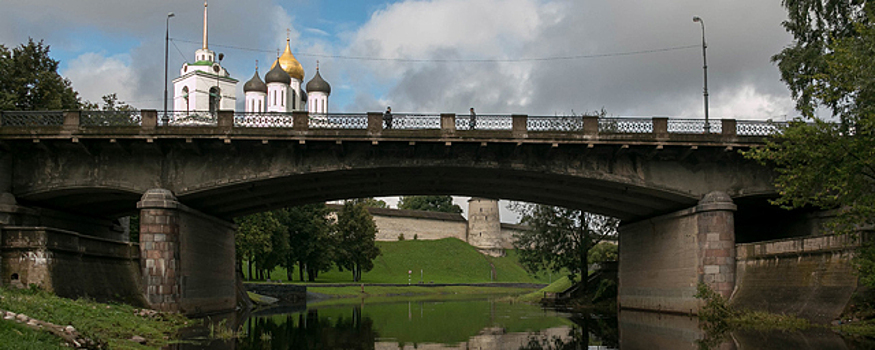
x=289 y=64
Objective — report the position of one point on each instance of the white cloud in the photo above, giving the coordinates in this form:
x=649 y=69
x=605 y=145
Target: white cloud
x=746 y=102
x=95 y=75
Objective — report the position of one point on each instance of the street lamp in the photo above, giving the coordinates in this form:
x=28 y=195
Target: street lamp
x=166 y=118
x=705 y=68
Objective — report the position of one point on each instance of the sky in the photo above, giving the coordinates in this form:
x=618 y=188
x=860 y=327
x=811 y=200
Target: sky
x=536 y=57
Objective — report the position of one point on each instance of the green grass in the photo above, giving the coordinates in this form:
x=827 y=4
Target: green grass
x=558 y=286
x=448 y=260
x=111 y=323
x=388 y=291
x=18 y=337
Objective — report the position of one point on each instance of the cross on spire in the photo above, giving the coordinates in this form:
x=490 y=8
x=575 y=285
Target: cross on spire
x=288 y=34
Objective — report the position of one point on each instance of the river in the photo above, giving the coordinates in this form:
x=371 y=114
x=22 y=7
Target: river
x=489 y=323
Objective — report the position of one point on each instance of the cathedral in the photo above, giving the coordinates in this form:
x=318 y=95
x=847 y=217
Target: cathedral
x=207 y=86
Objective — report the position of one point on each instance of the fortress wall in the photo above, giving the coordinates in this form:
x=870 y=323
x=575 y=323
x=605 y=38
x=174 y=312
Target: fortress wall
x=390 y=227
x=811 y=277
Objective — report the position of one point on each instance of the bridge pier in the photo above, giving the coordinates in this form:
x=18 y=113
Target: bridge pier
x=663 y=259
x=186 y=257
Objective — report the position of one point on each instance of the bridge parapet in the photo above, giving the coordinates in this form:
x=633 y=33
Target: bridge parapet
x=376 y=124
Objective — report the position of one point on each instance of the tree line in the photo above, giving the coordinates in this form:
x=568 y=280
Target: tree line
x=308 y=238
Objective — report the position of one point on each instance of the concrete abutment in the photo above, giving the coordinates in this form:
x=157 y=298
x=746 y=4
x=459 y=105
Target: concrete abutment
x=186 y=257
x=663 y=259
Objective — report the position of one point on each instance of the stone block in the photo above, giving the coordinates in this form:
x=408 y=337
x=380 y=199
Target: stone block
x=712 y=269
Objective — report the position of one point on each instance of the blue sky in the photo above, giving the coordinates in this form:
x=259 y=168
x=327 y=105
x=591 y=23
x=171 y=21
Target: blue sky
x=539 y=57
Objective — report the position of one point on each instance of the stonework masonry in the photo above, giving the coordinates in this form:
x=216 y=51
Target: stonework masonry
x=663 y=259
x=483 y=229
x=187 y=258
x=811 y=277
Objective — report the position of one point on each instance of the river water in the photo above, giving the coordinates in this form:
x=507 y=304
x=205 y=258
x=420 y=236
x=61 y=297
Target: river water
x=491 y=324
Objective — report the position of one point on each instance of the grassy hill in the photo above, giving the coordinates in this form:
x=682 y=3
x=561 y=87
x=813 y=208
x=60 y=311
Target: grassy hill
x=448 y=260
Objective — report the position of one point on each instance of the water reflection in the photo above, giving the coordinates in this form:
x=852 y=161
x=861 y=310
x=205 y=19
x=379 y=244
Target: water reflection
x=490 y=325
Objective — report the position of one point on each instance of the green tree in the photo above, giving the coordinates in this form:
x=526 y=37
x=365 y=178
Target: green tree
x=370 y=202
x=355 y=236
x=29 y=80
x=429 y=203
x=255 y=241
x=831 y=65
x=560 y=237
x=603 y=251
x=110 y=103
x=310 y=240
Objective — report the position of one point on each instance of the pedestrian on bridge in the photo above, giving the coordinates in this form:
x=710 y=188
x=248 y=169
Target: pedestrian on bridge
x=388 y=117
x=473 y=122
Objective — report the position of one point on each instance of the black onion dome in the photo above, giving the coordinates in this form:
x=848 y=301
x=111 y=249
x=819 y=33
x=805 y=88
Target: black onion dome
x=318 y=84
x=255 y=84
x=277 y=75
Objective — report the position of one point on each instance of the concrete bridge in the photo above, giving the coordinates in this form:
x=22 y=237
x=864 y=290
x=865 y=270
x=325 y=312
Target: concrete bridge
x=187 y=175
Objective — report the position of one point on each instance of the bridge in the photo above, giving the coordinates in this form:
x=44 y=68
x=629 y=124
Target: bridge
x=187 y=174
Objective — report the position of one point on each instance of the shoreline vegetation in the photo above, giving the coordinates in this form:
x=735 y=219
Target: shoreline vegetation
x=112 y=326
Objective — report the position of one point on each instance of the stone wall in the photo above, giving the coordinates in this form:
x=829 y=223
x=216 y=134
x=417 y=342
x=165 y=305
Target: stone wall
x=663 y=259
x=391 y=223
x=810 y=277
x=70 y=264
x=187 y=257
x=658 y=264
x=426 y=225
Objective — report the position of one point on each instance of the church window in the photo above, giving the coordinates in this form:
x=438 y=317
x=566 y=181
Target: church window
x=214 y=99
x=185 y=96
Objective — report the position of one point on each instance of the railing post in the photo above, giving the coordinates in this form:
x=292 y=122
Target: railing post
x=519 y=121
x=590 y=125
x=150 y=119
x=660 y=127
x=300 y=120
x=729 y=128
x=375 y=123
x=71 y=119
x=448 y=123
x=225 y=120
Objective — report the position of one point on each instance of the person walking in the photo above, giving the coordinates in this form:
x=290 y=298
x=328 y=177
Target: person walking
x=473 y=121
x=388 y=117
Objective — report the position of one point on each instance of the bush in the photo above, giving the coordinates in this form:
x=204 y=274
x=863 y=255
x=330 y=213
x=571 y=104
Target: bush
x=415 y=237
x=401 y=237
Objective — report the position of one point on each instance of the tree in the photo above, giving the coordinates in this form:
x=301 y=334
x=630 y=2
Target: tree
x=560 y=238
x=370 y=202
x=831 y=65
x=110 y=103
x=429 y=203
x=309 y=231
x=29 y=80
x=356 y=235
x=255 y=239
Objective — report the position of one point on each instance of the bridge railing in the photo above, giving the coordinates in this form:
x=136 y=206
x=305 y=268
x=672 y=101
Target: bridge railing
x=410 y=121
x=377 y=122
x=32 y=118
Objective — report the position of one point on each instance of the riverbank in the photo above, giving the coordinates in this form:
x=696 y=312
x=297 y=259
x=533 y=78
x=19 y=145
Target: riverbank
x=119 y=326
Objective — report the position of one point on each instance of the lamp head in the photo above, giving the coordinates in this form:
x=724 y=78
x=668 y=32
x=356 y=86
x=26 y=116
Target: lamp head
x=170 y=14
x=696 y=19
x=221 y=56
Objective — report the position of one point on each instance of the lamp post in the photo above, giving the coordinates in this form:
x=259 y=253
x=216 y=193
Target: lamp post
x=166 y=118
x=705 y=68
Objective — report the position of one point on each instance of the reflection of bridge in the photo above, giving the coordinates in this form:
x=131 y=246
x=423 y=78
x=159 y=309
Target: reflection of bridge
x=187 y=178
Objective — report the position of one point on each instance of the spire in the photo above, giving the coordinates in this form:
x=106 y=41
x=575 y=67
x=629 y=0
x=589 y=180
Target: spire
x=205 y=25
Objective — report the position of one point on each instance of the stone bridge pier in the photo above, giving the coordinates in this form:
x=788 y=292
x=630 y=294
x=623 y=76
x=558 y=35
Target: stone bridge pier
x=663 y=259
x=186 y=257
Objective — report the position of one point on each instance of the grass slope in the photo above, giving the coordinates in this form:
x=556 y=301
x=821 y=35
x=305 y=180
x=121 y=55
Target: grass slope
x=112 y=323
x=448 y=260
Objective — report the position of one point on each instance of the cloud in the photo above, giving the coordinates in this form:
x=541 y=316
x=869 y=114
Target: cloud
x=742 y=37
x=95 y=75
